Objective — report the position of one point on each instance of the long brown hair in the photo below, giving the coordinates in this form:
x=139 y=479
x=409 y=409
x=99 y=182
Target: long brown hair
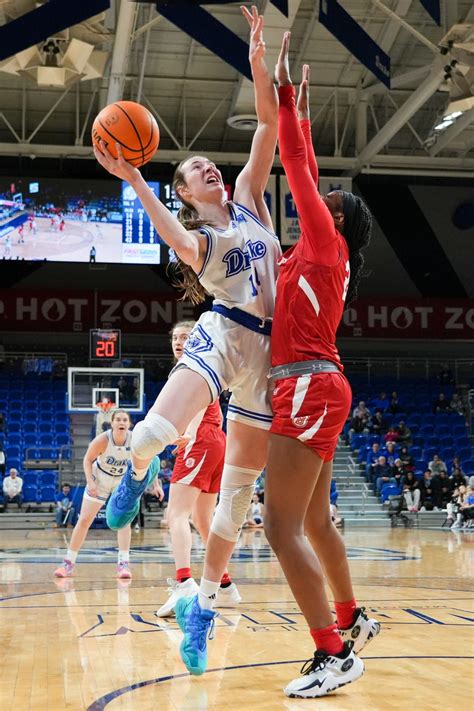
x=183 y=276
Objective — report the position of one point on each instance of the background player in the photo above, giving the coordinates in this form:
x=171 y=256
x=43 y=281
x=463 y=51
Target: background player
x=105 y=463
x=231 y=249
x=194 y=486
x=311 y=400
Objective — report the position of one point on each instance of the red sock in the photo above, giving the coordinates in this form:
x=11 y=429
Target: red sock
x=345 y=613
x=225 y=580
x=183 y=574
x=328 y=639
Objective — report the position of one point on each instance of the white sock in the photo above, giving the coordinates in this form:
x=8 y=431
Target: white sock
x=139 y=474
x=207 y=594
x=71 y=555
x=123 y=557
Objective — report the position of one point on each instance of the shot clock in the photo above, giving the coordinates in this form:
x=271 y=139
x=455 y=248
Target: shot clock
x=105 y=344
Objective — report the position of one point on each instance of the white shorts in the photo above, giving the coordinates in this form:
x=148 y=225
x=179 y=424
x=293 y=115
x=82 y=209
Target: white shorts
x=106 y=484
x=232 y=357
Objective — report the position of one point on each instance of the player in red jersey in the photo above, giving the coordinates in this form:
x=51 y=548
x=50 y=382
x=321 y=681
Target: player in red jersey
x=195 y=484
x=311 y=400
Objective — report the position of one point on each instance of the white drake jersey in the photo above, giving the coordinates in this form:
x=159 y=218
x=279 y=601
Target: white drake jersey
x=241 y=265
x=115 y=459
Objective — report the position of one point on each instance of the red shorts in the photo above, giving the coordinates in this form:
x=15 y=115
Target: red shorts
x=202 y=465
x=313 y=409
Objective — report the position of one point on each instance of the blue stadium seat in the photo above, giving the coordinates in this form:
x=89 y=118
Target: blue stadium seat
x=30 y=478
x=63 y=439
x=14 y=417
x=46 y=440
x=48 y=478
x=456 y=430
x=429 y=419
x=30 y=494
x=30 y=439
x=443 y=418
x=447 y=453
x=462 y=443
x=61 y=428
x=29 y=427
x=388 y=490
x=415 y=452
x=16 y=405
x=374 y=438
x=14 y=462
x=30 y=405
x=464 y=454
x=358 y=441
x=468 y=466
x=45 y=427
x=447 y=442
x=47 y=494
x=30 y=416
x=14 y=427
x=15 y=438
x=442 y=431
x=419 y=441
x=421 y=465
x=429 y=452
x=426 y=430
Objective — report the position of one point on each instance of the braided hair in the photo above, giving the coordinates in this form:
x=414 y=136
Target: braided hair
x=357 y=233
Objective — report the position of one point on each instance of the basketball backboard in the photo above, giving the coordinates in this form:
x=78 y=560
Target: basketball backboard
x=88 y=387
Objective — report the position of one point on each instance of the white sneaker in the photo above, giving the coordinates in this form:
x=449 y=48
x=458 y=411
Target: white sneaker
x=229 y=596
x=187 y=589
x=362 y=631
x=324 y=673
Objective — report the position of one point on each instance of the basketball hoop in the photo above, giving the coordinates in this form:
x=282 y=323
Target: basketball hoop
x=105 y=406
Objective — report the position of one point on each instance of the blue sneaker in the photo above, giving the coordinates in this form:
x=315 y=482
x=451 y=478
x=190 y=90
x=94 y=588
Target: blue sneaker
x=197 y=626
x=124 y=504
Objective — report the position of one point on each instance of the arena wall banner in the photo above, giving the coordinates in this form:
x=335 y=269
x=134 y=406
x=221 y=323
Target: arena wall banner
x=78 y=311
x=142 y=312
x=289 y=227
x=409 y=318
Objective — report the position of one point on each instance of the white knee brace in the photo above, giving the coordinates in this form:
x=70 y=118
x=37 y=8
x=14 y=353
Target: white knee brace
x=237 y=487
x=152 y=435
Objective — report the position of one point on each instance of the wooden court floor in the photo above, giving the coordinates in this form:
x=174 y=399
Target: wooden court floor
x=95 y=643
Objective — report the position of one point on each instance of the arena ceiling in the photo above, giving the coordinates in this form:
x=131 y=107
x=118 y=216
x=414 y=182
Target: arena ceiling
x=359 y=125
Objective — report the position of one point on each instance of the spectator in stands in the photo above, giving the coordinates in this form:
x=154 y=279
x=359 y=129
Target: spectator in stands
x=453 y=507
x=404 y=433
x=165 y=471
x=429 y=499
x=361 y=411
x=458 y=478
x=456 y=464
x=457 y=404
x=2 y=460
x=445 y=375
x=467 y=508
x=382 y=402
x=12 y=489
x=65 y=512
x=390 y=453
x=376 y=425
x=411 y=492
x=394 y=405
x=372 y=459
x=254 y=514
x=392 y=435
x=437 y=465
x=441 y=404
x=382 y=474
x=398 y=474
x=443 y=488
x=407 y=459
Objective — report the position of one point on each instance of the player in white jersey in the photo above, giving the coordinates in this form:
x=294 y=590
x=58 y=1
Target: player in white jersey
x=231 y=249
x=105 y=463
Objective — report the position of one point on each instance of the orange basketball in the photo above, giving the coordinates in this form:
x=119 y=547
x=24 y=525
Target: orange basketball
x=132 y=126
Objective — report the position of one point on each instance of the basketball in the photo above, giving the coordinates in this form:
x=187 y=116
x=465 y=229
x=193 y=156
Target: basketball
x=132 y=126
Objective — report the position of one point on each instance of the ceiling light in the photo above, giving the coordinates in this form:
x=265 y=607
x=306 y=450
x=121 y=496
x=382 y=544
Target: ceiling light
x=243 y=122
x=444 y=124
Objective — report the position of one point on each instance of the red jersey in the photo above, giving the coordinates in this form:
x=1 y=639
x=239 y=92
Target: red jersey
x=212 y=416
x=314 y=274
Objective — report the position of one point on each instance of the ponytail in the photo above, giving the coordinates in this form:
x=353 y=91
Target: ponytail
x=357 y=233
x=183 y=277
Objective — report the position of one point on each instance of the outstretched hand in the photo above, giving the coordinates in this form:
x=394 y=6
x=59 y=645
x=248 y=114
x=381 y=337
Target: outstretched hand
x=116 y=166
x=256 y=44
x=302 y=105
x=282 y=67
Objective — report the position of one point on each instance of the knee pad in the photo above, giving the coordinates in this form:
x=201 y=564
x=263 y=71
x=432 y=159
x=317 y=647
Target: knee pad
x=152 y=435
x=237 y=487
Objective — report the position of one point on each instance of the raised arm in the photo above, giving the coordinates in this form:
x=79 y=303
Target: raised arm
x=319 y=239
x=250 y=185
x=189 y=246
x=302 y=107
